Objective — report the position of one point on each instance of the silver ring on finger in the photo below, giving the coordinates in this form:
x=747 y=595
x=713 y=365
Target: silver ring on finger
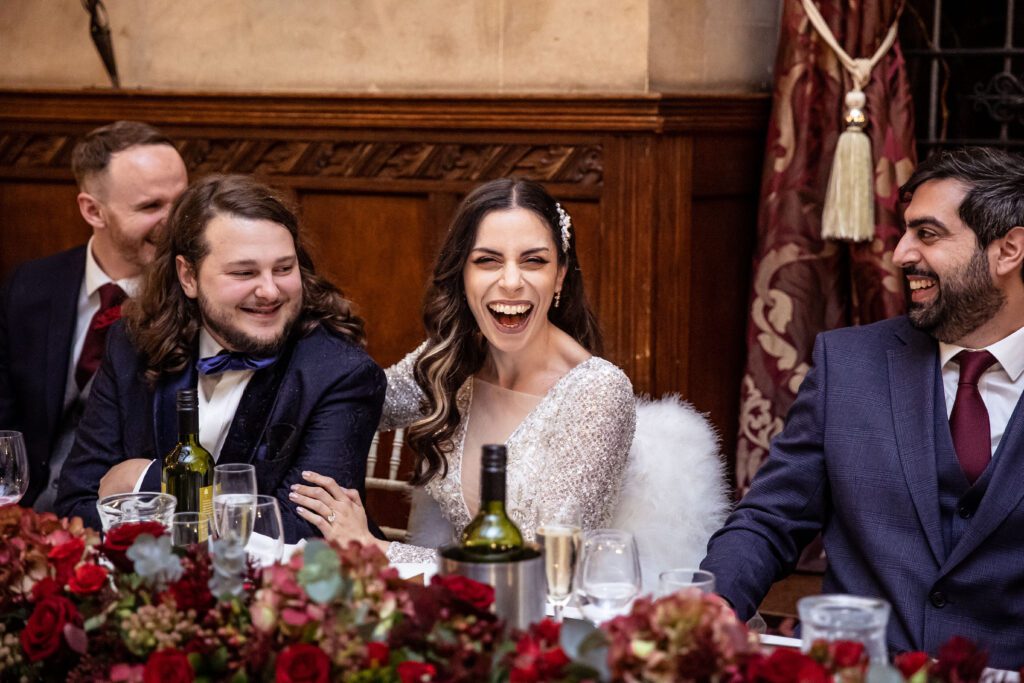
x=330 y=517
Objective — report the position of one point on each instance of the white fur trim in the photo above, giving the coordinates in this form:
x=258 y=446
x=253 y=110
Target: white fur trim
x=674 y=495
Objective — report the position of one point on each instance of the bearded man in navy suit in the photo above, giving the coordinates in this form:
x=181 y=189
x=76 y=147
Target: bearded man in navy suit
x=55 y=311
x=905 y=445
x=232 y=306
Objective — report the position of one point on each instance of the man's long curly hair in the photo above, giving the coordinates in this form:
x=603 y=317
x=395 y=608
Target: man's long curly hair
x=455 y=349
x=163 y=323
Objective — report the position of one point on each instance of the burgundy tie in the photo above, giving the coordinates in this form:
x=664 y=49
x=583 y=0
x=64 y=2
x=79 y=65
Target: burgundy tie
x=111 y=297
x=968 y=422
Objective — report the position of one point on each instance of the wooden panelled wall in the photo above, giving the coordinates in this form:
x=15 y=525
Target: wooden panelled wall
x=662 y=190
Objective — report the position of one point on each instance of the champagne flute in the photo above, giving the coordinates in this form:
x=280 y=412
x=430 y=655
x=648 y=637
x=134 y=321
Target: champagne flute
x=13 y=467
x=232 y=483
x=608 y=578
x=559 y=536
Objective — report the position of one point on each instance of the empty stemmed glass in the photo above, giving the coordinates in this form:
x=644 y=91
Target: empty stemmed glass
x=254 y=523
x=608 y=578
x=558 y=534
x=13 y=467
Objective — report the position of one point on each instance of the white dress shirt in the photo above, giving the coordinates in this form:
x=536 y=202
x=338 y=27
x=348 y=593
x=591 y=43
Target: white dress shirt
x=1001 y=385
x=219 y=396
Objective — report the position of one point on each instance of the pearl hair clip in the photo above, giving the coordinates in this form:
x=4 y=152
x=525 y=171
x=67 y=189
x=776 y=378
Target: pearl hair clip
x=565 y=223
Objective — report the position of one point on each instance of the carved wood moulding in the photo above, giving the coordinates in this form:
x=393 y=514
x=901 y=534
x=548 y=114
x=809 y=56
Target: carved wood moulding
x=37 y=153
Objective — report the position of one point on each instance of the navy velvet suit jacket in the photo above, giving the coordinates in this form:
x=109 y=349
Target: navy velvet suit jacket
x=315 y=409
x=38 y=308
x=857 y=461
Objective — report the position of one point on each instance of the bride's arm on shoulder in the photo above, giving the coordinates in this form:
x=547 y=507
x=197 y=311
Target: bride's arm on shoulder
x=597 y=419
x=404 y=397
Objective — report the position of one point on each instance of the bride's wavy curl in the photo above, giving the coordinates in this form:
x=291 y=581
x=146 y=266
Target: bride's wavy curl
x=163 y=322
x=455 y=348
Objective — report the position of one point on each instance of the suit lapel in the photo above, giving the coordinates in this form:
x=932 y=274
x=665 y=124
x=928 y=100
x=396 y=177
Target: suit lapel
x=1004 y=492
x=912 y=378
x=253 y=414
x=60 y=319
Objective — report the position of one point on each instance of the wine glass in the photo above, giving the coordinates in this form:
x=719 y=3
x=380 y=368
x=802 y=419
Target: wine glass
x=232 y=483
x=13 y=467
x=674 y=580
x=254 y=523
x=558 y=534
x=608 y=578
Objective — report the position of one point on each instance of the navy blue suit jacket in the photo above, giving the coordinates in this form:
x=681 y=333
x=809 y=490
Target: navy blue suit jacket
x=38 y=309
x=315 y=409
x=857 y=461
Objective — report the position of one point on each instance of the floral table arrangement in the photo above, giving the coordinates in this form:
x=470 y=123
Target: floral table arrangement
x=132 y=608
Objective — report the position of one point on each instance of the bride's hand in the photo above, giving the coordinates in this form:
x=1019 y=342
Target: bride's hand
x=336 y=511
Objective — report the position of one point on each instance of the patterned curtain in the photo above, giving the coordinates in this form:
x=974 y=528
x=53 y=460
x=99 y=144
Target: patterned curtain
x=803 y=285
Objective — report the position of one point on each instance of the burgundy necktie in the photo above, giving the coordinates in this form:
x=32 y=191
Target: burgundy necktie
x=111 y=297
x=968 y=422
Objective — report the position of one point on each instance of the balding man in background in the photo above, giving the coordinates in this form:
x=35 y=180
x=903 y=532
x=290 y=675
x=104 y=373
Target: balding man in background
x=55 y=311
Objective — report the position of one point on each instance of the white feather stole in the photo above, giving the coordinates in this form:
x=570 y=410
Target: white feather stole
x=674 y=495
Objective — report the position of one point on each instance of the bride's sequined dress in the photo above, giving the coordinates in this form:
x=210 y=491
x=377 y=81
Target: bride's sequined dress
x=572 y=445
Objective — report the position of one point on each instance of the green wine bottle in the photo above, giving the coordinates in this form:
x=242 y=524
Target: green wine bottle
x=492 y=536
x=188 y=468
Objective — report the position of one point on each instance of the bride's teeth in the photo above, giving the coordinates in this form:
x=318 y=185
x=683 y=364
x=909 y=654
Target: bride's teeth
x=508 y=309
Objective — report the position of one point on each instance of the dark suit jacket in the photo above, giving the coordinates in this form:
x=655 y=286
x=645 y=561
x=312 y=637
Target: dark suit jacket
x=38 y=307
x=315 y=409
x=858 y=461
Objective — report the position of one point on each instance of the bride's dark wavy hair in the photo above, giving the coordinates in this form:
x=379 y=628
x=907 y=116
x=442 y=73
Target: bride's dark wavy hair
x=455 y=349
x=163 y=322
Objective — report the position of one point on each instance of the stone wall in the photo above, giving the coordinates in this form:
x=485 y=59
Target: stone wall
x=397 y=45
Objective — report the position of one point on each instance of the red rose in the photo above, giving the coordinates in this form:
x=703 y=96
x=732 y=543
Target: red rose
x=168 y=666
x=790 y=666
x=65 y=556
x=960 y=659
x=847 y=654
x=377 y=654
x=44 y=588
x=120 y=538
x=415 y=672
x=909 y=663
x=45 y=628
x=547 y=630
x=88 y=578
x=302 y=663
x=477 y=594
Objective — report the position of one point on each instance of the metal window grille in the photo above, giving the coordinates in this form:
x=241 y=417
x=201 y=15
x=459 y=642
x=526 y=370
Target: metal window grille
x=965 y=61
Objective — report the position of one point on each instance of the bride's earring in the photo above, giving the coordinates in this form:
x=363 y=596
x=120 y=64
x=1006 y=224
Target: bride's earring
x=558 y=298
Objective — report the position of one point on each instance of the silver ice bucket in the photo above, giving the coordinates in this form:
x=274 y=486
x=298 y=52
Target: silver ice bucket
x=519 y=588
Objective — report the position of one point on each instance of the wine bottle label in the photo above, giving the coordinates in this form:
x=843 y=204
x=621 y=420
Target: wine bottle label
x=205 y=511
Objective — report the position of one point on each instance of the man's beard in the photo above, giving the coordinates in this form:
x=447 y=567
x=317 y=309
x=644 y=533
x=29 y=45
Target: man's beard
x=239 y=340
x=966 y=300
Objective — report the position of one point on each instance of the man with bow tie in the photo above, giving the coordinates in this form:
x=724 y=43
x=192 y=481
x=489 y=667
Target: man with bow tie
x=55 y=312
x=232 y=306
x=905 y=445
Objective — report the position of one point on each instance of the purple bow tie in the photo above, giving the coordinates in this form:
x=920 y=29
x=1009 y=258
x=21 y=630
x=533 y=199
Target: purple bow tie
x=232 y=360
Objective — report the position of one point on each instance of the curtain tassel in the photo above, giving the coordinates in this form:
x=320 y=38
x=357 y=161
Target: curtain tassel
x=849 y=212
